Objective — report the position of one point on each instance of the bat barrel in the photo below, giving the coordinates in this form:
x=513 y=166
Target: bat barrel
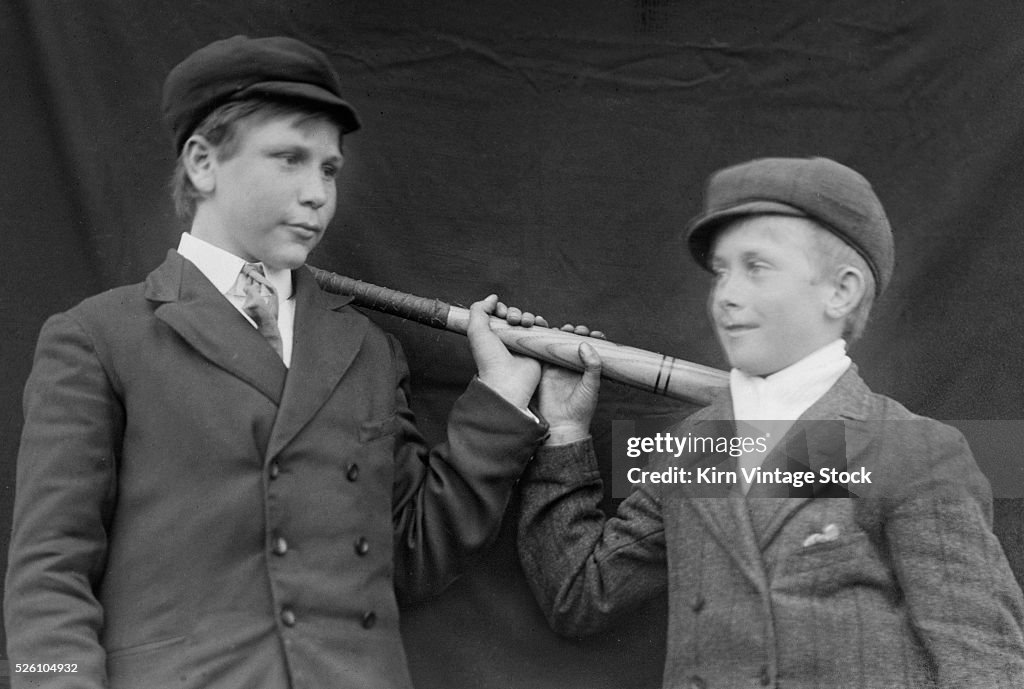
x=657 y=373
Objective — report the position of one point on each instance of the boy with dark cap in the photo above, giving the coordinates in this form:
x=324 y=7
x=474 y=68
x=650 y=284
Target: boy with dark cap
x=769 y=584
x=220 y=483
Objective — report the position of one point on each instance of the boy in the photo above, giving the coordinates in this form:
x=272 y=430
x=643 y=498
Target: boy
x=904 y=586
x=212 y=494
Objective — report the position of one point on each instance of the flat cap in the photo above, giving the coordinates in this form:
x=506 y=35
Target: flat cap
x=835 y=196
x=241 y=67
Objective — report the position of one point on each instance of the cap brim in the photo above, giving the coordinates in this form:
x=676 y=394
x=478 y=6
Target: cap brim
x=342 y=110
x=700 y=230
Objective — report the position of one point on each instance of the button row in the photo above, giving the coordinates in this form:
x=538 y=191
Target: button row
x=288 y=618
x=361 y=546
x=351 y=471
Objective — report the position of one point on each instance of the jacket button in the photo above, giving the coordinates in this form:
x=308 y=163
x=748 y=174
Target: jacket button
x=353 y=472
x=697 y=604
x=369 y=619
x=275 y=470
x=362 y=546
x=288 y=617
x=280 y=546
x=696 y=682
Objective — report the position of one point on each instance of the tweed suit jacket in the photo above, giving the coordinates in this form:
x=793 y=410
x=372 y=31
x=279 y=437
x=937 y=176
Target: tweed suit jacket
x=903 y=585
x=190 y=513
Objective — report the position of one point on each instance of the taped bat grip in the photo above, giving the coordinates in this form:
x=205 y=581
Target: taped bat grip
x=432 y=312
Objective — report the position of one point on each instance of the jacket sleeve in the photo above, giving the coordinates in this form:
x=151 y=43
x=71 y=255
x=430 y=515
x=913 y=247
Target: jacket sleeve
x=65 y=492
x=586 y=570
x=448 y=501
x=960 y=592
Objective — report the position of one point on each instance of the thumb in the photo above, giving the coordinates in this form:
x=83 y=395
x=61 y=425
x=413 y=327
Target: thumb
x=480 y=314
x=479 y=328
x=591 y=366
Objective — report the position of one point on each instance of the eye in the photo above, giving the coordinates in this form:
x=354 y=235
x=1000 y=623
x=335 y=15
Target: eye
x=331 y=171
x=756 y=267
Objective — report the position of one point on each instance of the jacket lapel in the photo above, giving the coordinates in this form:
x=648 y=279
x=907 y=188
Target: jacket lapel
x=847 y=402
x=325 y=343
x=725 y=513
x=189 y=303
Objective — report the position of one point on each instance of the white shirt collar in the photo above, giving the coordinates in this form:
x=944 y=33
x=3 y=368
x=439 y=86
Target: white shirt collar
x=222 y=267
x=788 y=393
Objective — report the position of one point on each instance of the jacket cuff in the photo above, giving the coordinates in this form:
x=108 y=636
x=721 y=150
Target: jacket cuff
x=480 y=397
x=567 y=463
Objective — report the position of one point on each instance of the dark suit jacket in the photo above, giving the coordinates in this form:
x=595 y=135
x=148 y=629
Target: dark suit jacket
x=909 y=588
x=190 y=513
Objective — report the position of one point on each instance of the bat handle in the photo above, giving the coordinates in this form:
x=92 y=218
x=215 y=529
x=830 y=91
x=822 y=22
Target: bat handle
x=432 y=312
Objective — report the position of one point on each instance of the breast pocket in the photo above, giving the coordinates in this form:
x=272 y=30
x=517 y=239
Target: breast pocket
x=849 y=560
x=838 y=552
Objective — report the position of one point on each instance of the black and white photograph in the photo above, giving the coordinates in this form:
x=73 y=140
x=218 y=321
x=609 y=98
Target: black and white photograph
x=512 y=345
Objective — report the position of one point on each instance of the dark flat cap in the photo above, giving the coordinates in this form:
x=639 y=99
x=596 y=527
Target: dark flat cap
x=241 y=67
x=833 y=195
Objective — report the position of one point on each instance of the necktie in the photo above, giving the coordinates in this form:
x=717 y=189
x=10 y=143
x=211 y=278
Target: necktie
x=261 y=303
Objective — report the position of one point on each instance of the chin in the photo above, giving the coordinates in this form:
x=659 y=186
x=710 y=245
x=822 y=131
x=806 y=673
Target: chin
x=752 y=365
x=289 y=260
x=751 y=369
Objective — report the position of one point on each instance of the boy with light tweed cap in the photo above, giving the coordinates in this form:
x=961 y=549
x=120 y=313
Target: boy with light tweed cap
x=769 y=584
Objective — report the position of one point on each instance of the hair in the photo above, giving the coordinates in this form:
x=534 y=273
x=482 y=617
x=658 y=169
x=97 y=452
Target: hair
x=221 y=129
x=834 y=254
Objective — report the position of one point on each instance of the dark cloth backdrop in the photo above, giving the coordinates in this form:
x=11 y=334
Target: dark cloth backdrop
x=551 y=151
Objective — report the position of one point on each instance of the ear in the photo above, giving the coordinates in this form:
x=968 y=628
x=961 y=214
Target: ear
x=847 y=291
x=199 y=157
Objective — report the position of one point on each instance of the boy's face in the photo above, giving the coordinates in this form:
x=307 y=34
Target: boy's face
x=767 y=303
x=273 y=199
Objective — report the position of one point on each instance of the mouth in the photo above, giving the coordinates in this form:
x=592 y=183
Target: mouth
x=736 y=329
x=306 y=230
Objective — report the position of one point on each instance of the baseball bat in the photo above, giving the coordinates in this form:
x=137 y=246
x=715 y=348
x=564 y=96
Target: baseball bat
x=639 y=368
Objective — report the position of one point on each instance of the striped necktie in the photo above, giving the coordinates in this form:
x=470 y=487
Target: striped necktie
x=260 y=303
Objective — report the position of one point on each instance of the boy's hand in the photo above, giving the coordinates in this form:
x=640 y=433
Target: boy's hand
x=583 y=330
x=566 y=399
x=512 y=376
x=516 y=316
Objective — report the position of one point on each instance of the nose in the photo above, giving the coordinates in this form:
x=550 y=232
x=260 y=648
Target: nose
x=315 y=190
x=725 y=292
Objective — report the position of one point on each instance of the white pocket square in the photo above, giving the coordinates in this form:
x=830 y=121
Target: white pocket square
x=829 y=533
